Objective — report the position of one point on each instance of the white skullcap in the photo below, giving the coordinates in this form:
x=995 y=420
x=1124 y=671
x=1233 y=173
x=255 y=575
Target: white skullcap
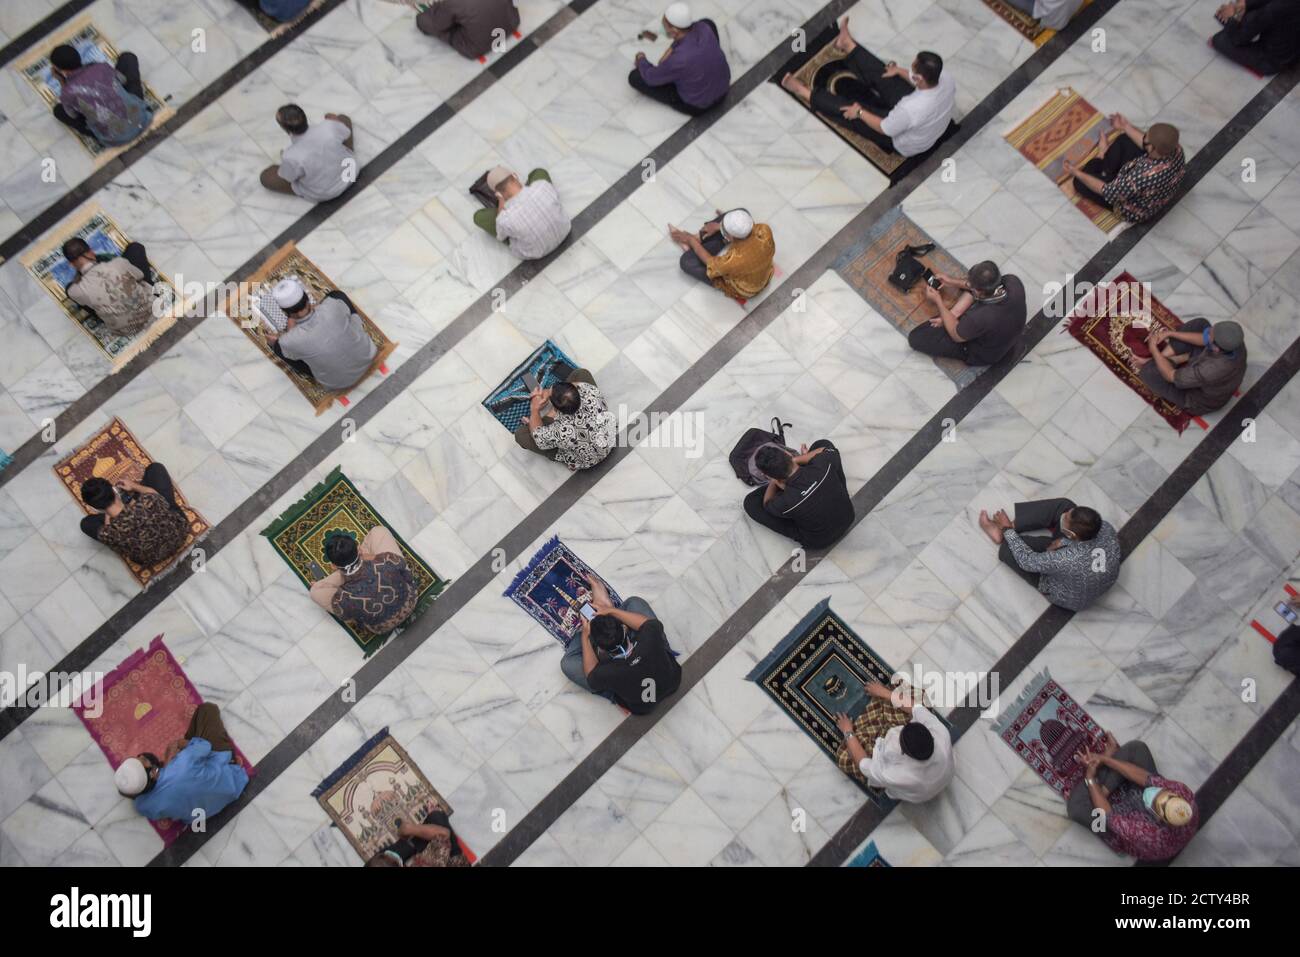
x=130 y=777
x=288 y=293
x=737 y=224
x=679 y=15
x=498 y=175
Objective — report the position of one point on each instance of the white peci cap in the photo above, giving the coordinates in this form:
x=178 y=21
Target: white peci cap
x=737 y=224
x=679 y=15
x=130 y=777
x=287 y=293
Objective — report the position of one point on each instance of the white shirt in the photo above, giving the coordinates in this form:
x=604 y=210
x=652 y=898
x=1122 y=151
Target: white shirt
x=919 y=119
x=314 y=162
x=534 y=222
x=1055 y=14
x=904 y=778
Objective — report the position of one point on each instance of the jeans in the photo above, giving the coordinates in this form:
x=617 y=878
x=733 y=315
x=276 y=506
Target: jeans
x=571 y=663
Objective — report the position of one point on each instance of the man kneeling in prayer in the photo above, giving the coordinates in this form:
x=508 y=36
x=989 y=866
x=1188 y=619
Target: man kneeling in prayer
x=326 y=342
x=371 y=587
x=896 y=744
x=1064 y=550
x=1135 y=810
x=731 y=252
x=579 y=433
x=196 y=773
x=117 y=289
x=529 y=217
x=1198 y=368
x=470 y=26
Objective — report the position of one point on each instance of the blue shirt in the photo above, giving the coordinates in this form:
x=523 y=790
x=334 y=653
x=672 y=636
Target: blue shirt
x=198 y=777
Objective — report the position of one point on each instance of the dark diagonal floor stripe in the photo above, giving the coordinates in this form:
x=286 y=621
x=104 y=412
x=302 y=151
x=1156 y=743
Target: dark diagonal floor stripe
x=47 y=24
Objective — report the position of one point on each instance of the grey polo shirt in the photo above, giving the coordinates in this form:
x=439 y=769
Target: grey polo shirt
x=333 y=341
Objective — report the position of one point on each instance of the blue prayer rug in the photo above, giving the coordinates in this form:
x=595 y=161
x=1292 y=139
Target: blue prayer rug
x=868 y=857
x=552 y=588
x=508 y=403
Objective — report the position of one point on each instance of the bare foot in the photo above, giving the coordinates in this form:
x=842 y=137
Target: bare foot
x=844 y=41
x=990 y=528
x=796 y=87
x=1002 y=518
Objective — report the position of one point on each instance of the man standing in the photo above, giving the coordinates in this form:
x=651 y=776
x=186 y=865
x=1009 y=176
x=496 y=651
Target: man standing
x=1137 y=812
x=101 y=101
x=1261 y=35
x=581 y=432
x=903 y=111
x=198 y=773
x=1064 y=550
x=529 y=217
x=985 y=324
x=371 y=587
x=622 y=654
x=1135 y=174
x=326 y=342
x=117 y=289
x=1198 y=368
x=470 y=26
x=807 y=498
x=318 y=164
x=730 y=252
x=911 y=761
x=692 y=76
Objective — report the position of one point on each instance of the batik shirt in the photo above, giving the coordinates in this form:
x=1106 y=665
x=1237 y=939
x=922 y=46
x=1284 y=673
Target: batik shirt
x=378 y=596
x=148 y=530
x=1071 y=576
x=1132 y=829
x=744 y=268
x=113 y=115
x=581 y=439
x=1144 y=186
x=116 y=292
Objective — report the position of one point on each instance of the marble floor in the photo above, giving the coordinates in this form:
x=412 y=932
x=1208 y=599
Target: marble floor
x=480 y=702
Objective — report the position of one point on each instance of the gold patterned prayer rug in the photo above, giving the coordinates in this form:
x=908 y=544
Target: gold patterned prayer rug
x=298 y=536
x=1024 y=24
x=114 y=454
x=375 y=788
x=821 y=669
x=1066 y=127
x=868 y=263
x=1114 y=322
x=94 y=47
x=47 y=266
x=285 y=262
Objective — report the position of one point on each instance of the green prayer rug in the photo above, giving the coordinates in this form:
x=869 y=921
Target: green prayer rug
x=298 y=535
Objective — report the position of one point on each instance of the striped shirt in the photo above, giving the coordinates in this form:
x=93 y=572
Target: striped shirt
x=534 y=222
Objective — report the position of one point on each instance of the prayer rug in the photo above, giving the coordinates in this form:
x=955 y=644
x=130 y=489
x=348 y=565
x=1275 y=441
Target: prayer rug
x=1025 y=25
x=508 y=402
x=47 y=266
x=817 y=67
x=821 y=668
x=869 y=857
x=285 y=262
x=552 y=587
x=1066 y=127
x=114 y=454
x=5 y=459
x=94 y=47
x=867 y=264
x=1046 y=727
x=146 y=703
x=1113 y=322
x=298 y=536
x=372 y=790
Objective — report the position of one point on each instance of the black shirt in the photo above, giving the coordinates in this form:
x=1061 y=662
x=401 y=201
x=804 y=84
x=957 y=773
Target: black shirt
x=1275 y=24
x=816 y=499
x=992 y=328
x=651 y=661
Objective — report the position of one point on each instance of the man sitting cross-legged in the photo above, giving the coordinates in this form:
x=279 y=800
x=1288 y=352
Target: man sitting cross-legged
x=692 y=76
x=1053 y=14
x=1198 y=368
x=141 y=521
x=903 y=110
x=985 y=324
x=327 y=342
x=807 y=498
x=106 y=103
x=1261 y=35
x=118 y=290
x=1134 y=174
x=1064 y=550
x=580 y=433
x=371 y=587
x=910 y=759
x=529 y=217
x=318 y=164
x=731 y=252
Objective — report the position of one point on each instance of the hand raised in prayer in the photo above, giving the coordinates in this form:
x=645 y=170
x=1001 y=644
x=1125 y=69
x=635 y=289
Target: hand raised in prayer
x=1089 y=760
x=1111 y=745
x=639 y=56
x=679 y=236
x=844 y=723
x=538 y=399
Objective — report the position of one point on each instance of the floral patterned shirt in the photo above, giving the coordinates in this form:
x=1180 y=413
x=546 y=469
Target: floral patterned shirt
x=1132 y=829
x=1144 y=186
x=148 y=530
x=583 y=438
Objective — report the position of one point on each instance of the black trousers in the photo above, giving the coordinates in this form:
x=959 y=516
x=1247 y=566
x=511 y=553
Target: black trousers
x=297 y=365
x=1153 y=380
x=1079 y=804
x=693 y=265
x=408 y=847
x=1039 y=524
x=784 y=526
x=129 y=66
x=157 y=478
x=1242 y=41
x=935 y=341
x=667 y=93
x=879 y=96
x=1107 y=167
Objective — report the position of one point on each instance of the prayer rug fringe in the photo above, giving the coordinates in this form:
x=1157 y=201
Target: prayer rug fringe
x=350 y=763
x=295 y=511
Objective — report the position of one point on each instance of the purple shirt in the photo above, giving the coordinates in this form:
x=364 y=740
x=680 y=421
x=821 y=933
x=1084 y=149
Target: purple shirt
x=696 y=65
x=114 y=115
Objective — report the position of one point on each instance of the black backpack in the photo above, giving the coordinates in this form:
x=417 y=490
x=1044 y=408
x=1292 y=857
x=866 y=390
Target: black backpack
x=1286 y=650
x=742 y=456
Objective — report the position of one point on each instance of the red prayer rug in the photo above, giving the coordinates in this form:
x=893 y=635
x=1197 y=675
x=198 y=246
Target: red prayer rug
x=146 y=703
x=1046 y=727
x=1113 y=322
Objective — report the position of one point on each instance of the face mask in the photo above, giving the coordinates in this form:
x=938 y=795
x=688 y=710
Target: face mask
x=1149 y=798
